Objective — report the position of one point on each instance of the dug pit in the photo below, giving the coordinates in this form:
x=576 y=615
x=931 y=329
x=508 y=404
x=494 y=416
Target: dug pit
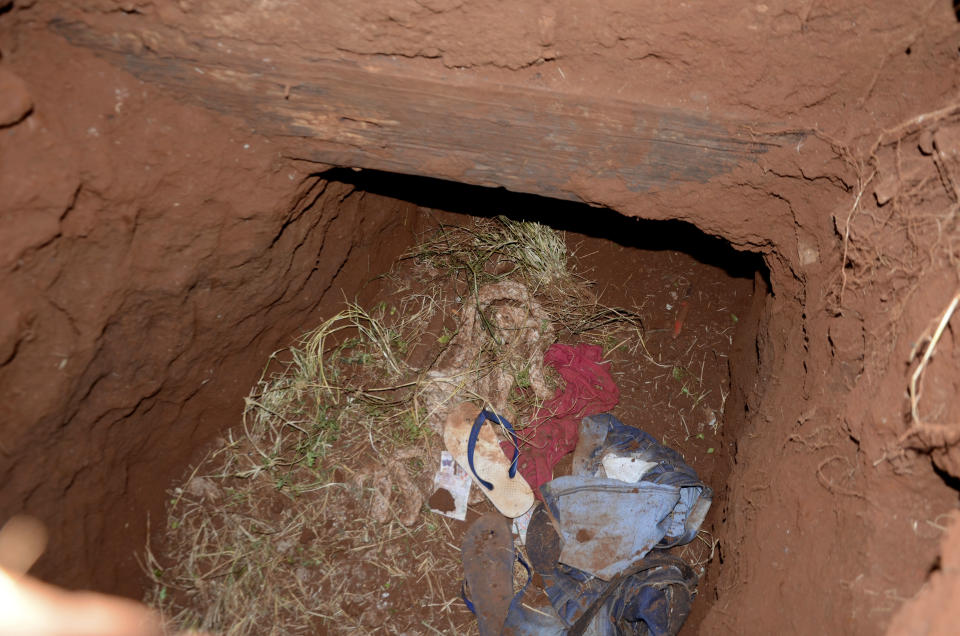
x=314 y=504
x=170 y=219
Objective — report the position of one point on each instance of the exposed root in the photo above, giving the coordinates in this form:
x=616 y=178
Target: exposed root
x=829 y=484
x=881 y=166
x=929 y=435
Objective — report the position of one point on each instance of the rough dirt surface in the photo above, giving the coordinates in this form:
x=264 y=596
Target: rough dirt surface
x=152 y=258
x=924 y=614
x=153 y=254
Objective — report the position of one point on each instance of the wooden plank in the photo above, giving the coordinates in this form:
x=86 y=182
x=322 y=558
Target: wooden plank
x=526 y=140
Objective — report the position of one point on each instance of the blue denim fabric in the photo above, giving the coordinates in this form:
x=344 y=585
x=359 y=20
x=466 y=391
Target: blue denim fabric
x=606 y=524
x=652 y=598
x=522 y=621
x=655 y=601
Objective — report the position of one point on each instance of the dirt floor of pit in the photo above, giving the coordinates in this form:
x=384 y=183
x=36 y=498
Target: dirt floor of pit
x=692 y=293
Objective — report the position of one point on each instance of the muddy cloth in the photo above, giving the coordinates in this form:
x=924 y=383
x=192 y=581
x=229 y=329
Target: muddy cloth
x=608 y=524
x=654 y=600
x=553 y=432
x=524 y=621
x=652 y=597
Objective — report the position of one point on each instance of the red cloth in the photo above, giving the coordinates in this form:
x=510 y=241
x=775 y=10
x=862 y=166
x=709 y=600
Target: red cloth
x=553 y=432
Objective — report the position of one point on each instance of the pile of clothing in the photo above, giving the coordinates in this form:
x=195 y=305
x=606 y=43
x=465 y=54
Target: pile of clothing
x=598 y=537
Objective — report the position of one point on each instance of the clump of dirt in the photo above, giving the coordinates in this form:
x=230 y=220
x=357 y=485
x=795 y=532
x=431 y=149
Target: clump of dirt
x=924 y=614
x=310 y=515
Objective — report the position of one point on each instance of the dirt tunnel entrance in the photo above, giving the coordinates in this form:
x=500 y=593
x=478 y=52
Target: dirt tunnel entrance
x=163 y=236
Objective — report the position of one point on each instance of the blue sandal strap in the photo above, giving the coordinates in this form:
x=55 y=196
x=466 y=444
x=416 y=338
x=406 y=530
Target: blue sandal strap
x=529 y=577
x=466 y=599
x=475 y=434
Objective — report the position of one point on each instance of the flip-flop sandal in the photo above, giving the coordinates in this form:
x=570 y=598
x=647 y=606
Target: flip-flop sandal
x=476 y=448
x=488 y=556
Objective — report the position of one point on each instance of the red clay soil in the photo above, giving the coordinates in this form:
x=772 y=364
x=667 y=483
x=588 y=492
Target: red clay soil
x=676 y=386
x=153 y=252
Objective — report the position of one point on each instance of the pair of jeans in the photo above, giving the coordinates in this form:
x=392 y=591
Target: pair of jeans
x=608 y=524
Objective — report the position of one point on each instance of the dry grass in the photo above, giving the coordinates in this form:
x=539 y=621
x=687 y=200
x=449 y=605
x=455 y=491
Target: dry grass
x=699 y=552
x=257 y=536
x=308 y=516
x=498 y=248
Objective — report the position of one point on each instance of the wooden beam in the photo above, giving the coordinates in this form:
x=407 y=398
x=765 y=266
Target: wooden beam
x=522 y=139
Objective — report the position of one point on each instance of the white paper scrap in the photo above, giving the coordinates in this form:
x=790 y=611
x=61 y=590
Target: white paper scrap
x=454 y=481
x=521 y=523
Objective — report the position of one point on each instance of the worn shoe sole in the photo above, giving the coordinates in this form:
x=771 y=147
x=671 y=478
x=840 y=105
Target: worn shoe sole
x=488 y=569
